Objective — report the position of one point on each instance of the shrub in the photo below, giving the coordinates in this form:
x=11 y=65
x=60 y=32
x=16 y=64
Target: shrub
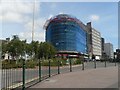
x=30 y=64
x=78 y=61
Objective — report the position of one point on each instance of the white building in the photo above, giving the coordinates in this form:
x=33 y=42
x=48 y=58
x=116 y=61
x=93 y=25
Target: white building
x=96 y=43
x=108 y=47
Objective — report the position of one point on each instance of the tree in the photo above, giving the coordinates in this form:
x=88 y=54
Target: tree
x=46 y=50
x=40 y=50
x=28 y=49
x=34 y=48
x=16 y=47
x=4 y=48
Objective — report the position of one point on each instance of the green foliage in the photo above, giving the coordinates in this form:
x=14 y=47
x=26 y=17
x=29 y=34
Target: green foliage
x=31 y=64
x=78 y=61
x=34 y=48
x=62 y=62
x=53 y=62
x=17 y=48
x=18 y=64
x=46 y=50
x=45 y=63
x=7 y=64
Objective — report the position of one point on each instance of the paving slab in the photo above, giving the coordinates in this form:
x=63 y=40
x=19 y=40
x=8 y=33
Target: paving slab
x=90 y=78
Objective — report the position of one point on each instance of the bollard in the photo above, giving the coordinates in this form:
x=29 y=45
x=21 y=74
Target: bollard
x=39 y=70
x=23 y=86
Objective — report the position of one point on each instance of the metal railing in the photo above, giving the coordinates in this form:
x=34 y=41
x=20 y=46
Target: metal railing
x=23 y=74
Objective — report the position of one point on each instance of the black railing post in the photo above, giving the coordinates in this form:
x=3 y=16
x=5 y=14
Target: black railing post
x=49 y=68
x=70 y=65
x=39 y=70
x=58 y=66
x=23 y=77
x=82 y=62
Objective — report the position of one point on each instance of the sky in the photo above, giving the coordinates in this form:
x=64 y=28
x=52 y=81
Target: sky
x=16 y=17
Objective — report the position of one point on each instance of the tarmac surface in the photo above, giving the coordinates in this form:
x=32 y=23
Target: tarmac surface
x=89 y=78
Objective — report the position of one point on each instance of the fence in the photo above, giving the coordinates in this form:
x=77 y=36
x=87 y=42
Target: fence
x=23 y=74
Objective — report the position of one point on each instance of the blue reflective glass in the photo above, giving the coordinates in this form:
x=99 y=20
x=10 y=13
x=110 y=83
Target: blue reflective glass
x=66 y=36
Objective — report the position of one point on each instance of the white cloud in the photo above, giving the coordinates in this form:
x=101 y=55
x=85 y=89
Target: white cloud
x=16 y=10
x=38 y=35
x=39 y=32
x=94 y=17
x=11 y=17
x=21 y=11
x=38 y=24
x=18 y=7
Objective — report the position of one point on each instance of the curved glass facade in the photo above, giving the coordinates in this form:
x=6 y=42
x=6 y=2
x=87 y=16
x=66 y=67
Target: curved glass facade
x=66 y=36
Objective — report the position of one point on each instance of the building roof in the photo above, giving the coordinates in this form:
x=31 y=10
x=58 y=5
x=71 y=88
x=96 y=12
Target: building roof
x=64 y=17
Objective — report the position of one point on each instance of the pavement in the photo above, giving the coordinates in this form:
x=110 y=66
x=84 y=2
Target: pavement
x=89 y=78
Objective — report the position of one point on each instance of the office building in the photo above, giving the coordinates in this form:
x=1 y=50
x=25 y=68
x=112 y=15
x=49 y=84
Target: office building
x=67 y=34
x=93 y=42
x=102 y=47
x=108 y=47
x=96 y=43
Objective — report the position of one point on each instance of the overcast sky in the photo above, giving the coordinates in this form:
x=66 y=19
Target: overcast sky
x=16 y=17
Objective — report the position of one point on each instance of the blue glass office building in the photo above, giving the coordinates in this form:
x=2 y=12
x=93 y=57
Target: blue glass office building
x=66 y=34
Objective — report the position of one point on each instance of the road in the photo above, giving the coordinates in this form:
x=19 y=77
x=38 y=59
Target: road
x=14 y=76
